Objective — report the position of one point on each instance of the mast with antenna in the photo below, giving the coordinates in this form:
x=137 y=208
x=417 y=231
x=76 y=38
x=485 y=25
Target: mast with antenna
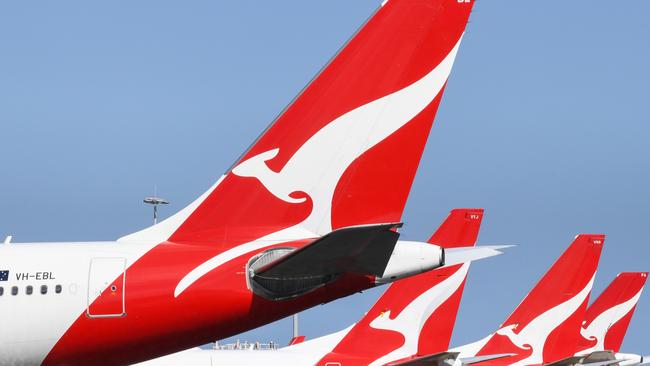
x=296 y=334
x=155 y=201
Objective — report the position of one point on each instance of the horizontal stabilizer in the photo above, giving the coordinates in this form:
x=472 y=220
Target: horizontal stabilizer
x=597 y=358
x=602 y=363
x=468 y=254
x=361 y=250
x=438 y=359
x=569 y=361
x=478 y=359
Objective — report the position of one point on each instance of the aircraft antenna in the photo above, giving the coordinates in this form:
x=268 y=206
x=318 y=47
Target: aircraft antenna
x=155 y=201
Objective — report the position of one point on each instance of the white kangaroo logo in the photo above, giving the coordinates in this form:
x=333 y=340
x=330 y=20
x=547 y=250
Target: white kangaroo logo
x=410 y=321
x=534 y=334
x=598 y=328
x=317 y=166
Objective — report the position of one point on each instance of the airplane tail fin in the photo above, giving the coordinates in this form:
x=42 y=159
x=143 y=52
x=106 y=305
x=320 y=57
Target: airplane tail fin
x=345 y=151
x=460 y=229
x=608 y=318
x=416 y=315
x=296 y=340
x=544 y=327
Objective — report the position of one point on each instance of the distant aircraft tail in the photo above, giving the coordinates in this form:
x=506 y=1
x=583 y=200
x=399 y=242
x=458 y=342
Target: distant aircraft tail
x=544 y=327
x=296 y=340
x=345 y=151
x=415 y=315
x=607 y=319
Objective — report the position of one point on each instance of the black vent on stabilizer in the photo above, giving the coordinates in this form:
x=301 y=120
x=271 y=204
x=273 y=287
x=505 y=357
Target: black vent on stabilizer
x=284 y=287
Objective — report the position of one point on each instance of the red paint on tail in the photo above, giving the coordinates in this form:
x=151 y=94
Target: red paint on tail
x=608 y=318
x=544 y=327
x=404 y=41
x=296 y=340
x=365 y=343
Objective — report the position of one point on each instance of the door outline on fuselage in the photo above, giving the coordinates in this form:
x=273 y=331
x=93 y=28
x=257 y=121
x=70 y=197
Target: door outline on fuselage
x=98 y=284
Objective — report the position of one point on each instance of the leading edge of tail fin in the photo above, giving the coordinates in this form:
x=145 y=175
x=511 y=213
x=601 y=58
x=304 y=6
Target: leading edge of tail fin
x=416 y=315
x=544 y=327
x=609 y=316
x=346 y=150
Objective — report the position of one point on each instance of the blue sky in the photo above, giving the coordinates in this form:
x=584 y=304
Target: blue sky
x=544 y=123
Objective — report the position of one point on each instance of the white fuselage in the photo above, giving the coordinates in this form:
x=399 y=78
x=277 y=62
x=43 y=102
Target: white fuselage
x=58 y=274
x=51 y=288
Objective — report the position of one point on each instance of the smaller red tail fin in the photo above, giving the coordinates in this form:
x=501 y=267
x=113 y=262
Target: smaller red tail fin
x=296 y=340
x=544 y=327
x=608 y=318
x=416 y=315
x=460 y=229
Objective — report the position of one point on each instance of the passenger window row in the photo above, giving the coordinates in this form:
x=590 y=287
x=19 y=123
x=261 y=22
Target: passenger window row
x=30 y=290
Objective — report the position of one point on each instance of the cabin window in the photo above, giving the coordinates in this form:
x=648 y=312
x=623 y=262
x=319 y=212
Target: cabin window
x=43 y=289
x=2 y=290
x=29 y=290
x=58 y=289
x=14 y=290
